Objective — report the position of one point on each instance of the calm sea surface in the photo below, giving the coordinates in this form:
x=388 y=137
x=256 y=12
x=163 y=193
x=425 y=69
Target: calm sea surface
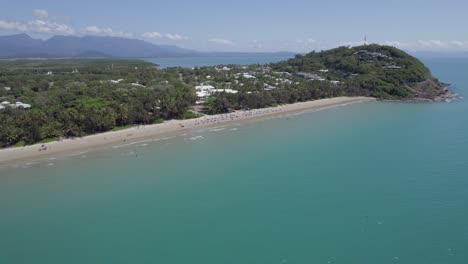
x=371 y=183
x=189 y=62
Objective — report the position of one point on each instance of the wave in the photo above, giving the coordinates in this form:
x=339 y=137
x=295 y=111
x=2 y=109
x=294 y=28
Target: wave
x=197 y=138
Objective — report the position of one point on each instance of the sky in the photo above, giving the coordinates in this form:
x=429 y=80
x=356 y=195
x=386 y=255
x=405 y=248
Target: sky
x=249 y=25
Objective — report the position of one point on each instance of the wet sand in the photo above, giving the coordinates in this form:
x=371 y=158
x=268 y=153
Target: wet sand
x=169 y=128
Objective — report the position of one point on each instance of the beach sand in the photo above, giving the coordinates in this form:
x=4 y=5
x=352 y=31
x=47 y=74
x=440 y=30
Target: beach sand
x=169 y=128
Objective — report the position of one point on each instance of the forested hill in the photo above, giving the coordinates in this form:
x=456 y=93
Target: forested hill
x=380 y=71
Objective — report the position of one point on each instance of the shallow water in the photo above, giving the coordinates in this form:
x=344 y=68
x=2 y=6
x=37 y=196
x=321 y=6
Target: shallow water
x=369 y=183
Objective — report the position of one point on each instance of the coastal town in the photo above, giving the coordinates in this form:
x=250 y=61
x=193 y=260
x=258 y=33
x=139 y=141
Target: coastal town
x=47 y=100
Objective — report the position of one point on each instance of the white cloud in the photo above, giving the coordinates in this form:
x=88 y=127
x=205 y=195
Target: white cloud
x=97 y=31
x=157 y=35
x=38 y=25
x=49 y=27
x=430 y=45
x=41 y=24
x=459 y=44
x=12 y=26
x=40 y=13
x=152 y=35
x=420 y=45
x=176 y=37
x=221 y=41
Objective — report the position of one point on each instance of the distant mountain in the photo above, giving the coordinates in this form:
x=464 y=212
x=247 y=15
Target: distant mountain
x=12 y=45
x=22 y=45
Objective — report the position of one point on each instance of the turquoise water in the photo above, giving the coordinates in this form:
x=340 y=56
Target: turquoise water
x=189 y=62
x=370 y=183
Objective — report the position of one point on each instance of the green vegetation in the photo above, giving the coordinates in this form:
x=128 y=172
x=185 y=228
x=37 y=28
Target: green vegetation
x=380 y=71
x=118 y=128
x=72 y=98
x=189 y=115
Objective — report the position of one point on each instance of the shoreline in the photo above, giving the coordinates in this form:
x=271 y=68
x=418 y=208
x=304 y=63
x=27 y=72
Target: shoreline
x=172 y=127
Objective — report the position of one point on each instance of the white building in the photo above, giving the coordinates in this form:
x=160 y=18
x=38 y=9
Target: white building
x=5 y=104
x=116 y=81
x=231 y=91
x=268 y=87
x=204 y=91
x=22 y=105
x=7 y=88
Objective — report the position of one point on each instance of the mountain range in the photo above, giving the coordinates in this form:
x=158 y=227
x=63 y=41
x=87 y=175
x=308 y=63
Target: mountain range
x=23 y=46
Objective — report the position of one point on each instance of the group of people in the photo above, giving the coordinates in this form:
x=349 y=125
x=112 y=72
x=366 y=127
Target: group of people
x=43 y=148
x=233 y=116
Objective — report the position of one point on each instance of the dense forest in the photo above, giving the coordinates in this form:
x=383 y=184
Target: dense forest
x=44 y=100
x=77 y=98
x=381 y=71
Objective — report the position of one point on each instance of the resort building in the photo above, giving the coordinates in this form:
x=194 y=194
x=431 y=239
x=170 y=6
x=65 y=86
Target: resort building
x=5 y=104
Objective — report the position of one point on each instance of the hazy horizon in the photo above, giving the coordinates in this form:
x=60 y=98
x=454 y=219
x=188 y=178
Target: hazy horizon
x=259 y=26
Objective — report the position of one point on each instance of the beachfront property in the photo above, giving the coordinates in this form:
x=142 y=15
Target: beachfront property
x=311 y=76
x=6 y=104
x=392 y=67
x=205 y=91
x=248 y=76
x=116 y=81
x=268 y=87
x=284 y=73
x=225 y=68
x=367 y=55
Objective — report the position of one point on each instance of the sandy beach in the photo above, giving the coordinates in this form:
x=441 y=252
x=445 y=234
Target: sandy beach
x=168 y=128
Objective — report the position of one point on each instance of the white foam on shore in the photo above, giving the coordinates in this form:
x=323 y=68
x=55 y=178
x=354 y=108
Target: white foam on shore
x=76 y=154
x=196 y=127
x=217 y=129
x=133 y=143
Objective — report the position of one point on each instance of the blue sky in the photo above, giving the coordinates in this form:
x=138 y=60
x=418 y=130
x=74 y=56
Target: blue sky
x=249 y=25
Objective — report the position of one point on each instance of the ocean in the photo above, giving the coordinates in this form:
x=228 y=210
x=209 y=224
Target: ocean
x=189 y=62
x=377 y=182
